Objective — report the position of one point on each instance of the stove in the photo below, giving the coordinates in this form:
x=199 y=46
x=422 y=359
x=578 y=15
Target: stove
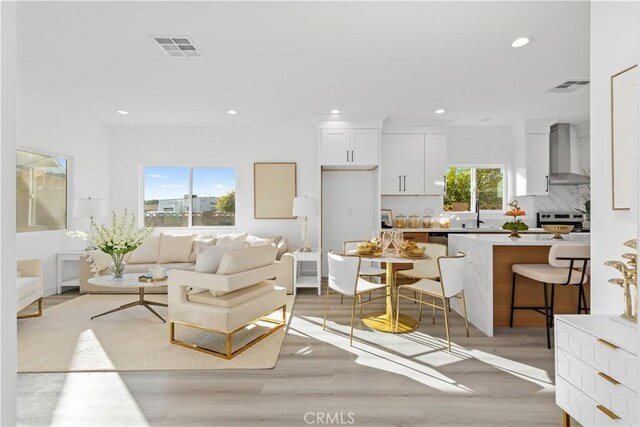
x=566 y=218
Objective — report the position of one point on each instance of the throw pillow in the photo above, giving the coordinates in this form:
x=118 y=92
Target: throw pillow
x=147 y=252
x=175 y=248
x=98 y=261
x=283 y=247
x=227 y=239
x=201 y=241
x=208 y=259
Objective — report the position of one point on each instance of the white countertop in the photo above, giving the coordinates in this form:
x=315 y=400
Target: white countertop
x=524 y=240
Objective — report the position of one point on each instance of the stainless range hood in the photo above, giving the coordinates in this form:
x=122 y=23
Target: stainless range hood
x=563 y=158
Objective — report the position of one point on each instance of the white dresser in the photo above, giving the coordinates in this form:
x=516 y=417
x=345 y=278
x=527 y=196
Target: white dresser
x=597 y=370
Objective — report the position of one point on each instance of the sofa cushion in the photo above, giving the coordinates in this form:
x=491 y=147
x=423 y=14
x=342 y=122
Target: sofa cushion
x=232 y=299
x=208 y=259
x=178 y=266
x=247 y=259
x=201 y=241
x=134 y=268
x=283 y=247
x=258 y=241
x=27 y=286
x=175 y=248
x=147 y=252
x=227 y=239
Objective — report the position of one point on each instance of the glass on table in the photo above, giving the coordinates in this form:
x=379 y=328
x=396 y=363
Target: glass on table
x=397 y=237
x=386 y=241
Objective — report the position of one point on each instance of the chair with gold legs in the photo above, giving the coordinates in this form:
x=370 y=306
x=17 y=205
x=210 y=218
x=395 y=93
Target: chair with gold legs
x=367 y=269
x=451 y=272
x=30 y=286
x=344 y=279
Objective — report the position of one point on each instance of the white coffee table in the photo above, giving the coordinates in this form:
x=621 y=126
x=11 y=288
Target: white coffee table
x=130 y=281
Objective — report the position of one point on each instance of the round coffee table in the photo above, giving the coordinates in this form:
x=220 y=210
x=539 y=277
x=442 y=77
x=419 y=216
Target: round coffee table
x=130 y=281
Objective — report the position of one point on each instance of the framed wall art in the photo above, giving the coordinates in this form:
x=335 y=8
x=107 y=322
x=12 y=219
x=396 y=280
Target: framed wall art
x=274 y=187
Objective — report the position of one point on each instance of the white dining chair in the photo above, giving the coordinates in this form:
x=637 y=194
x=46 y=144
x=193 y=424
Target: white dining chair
x=345 y=279
x=367 y=268
x=451 y=285
x=568 y=265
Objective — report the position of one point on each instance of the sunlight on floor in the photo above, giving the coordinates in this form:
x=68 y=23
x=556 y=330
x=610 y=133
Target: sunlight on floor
x=415 y=355
x=89 y=354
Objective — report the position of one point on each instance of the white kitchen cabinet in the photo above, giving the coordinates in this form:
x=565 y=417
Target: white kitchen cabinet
x=597 y=369
x=402 y=165
x=531 y=158
x=349 y=147
x=435 y=163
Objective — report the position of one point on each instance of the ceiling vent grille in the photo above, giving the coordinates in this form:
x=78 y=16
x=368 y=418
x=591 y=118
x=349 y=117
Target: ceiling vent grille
x=177 y=47
x=570 y=86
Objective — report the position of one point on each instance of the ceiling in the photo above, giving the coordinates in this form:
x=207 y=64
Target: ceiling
x=278 y=62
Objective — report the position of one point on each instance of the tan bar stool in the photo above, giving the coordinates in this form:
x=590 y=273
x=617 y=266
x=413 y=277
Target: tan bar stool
x=567 y=266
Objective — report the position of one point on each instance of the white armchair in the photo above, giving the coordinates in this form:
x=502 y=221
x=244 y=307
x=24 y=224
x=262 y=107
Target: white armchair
x=241 y=292
x=29 y=284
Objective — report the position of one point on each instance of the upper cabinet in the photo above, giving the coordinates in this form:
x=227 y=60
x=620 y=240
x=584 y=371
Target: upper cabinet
x=531 y=157
x=435 y=155
x=349 y=147
x=402 y=167
x=413 y=163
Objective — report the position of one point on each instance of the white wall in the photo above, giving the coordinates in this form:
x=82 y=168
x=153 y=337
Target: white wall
x=614 y=47
x=478 y=145
x=8 y=339
x=44 y=127
x=239 y=147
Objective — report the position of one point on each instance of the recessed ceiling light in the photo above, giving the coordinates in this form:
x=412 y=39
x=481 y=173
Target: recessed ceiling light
x=124 y=113
x=520 y=41
x=334 y=111
x=232 y=112
x=439 y=111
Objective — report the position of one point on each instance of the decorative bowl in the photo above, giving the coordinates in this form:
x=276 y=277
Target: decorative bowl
x=557 y=230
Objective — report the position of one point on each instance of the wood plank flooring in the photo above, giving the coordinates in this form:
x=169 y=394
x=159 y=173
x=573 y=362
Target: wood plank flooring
x=501 y=381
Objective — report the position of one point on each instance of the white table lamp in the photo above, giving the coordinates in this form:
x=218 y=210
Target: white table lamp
x=306 y=207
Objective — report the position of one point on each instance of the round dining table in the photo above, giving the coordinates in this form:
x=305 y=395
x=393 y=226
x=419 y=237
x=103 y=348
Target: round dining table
x=385 y=321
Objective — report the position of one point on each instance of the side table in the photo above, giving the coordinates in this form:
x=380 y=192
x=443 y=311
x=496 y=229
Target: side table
x=307 y=281
x=63 y=257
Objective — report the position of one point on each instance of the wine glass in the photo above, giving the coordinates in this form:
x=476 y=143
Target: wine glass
x=397 y=238
x=386 y=241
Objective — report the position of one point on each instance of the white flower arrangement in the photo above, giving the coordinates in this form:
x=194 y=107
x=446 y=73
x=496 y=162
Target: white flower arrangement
x=119 y=237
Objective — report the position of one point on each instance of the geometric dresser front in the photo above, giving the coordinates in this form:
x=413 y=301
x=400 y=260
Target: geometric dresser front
x=597 y=369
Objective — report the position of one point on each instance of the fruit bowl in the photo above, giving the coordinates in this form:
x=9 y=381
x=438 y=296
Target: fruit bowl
x=557 y=230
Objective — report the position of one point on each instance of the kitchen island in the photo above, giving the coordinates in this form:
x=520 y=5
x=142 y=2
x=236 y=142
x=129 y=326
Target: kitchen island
x=488 y=278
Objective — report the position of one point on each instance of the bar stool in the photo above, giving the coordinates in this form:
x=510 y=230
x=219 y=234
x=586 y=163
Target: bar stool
x=567 y=266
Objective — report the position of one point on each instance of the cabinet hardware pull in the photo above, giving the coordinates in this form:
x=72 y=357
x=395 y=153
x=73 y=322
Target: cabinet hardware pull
x=608 y=378
x=347 y=156
x=547 y=183
x=399 y=183
x=607 y=344
x=352 y=155
x=608 y=412
x=405 y=182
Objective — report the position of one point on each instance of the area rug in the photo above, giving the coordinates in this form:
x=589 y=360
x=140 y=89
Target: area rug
x=65 y=339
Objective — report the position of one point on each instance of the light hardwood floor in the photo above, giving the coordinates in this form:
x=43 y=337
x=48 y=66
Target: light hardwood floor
x=500 y=381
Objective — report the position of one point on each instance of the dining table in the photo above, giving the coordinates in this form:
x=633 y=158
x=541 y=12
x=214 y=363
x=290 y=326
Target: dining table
x=385 y=321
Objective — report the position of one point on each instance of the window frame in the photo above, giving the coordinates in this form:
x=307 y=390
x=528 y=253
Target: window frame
x=191 y=167
x=474 y=167
x=70 y=188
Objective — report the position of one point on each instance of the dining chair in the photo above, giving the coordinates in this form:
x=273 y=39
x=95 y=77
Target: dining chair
x=427 y=269
x=345 y=279
x=568 y=265
x=367 y=268
x=451 y=285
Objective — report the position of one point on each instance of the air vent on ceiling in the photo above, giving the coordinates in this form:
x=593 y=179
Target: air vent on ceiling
x=177 y=47
x=570 y=86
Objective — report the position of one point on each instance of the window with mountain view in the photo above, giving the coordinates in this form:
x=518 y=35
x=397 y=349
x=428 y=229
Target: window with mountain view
x=177 y=196
x=466 y=184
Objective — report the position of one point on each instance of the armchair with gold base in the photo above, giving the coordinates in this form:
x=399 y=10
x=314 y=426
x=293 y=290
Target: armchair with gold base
x=30 y=286
x=239 y=294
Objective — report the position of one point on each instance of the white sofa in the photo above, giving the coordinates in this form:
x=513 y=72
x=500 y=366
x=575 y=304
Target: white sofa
x=238 y=294
x=178 y=252
x=29 y=285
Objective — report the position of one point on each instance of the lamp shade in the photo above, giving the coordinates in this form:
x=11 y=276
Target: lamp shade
x=86 y=208
x=305 y=206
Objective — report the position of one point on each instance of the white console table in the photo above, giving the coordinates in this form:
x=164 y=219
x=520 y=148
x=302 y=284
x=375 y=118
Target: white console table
x=597 y=369
x=306 y=281
x=63 y=258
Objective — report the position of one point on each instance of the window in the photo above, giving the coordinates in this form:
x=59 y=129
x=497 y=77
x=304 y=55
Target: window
x=176 y=196
x=466 y=185
x=41 y=192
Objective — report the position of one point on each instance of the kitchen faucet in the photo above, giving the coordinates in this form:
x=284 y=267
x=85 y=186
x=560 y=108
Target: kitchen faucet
x=478 y=221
